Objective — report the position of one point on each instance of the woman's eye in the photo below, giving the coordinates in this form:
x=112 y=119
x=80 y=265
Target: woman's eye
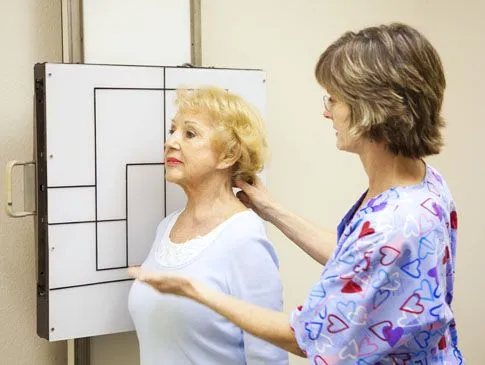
x=171 y=131
x=190 y=134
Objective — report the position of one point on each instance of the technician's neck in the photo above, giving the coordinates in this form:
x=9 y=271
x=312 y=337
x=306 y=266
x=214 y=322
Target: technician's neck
x=386 y=170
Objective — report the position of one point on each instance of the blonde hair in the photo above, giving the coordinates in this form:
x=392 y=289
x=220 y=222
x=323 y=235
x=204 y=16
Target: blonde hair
x=240 y=133
x=392 y=79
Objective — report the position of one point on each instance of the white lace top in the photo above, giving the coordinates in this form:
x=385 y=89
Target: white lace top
x=176 y=255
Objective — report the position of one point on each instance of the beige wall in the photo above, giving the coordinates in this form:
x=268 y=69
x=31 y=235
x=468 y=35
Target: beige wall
x=307 y=173
x=30 y=31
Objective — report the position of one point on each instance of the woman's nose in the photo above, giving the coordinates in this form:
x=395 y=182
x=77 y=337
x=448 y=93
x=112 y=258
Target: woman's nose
x=327 y=114
x=172 y=141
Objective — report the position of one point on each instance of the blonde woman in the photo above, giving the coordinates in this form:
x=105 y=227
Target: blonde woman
x=215 y=138
x=385 y=294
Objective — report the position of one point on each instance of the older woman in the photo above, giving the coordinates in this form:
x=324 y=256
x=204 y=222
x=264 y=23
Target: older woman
x=215 y=138
x=384 y=296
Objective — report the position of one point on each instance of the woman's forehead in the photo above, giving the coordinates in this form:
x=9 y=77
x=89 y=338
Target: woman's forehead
x=187 y=117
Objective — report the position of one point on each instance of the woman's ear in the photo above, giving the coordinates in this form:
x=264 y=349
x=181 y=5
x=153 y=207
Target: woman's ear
x=227 y=161
x=229 y=158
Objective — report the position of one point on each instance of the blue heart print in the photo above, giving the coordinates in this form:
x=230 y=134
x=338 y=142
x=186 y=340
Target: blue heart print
x=380 y=297
x=425 y=291
x=412 y=268
x=314 y=329
x=422 y=339
x=426 y=247
x=381 y=280
x=347 y=309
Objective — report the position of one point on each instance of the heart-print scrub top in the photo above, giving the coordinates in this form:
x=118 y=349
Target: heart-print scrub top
x=385 y=295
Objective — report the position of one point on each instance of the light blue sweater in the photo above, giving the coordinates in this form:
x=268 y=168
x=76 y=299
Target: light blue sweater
x=236 y=258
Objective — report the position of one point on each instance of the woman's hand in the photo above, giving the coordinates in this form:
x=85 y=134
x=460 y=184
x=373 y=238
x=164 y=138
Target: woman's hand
x=167 y=283
x=261 y=322
x=256 y=197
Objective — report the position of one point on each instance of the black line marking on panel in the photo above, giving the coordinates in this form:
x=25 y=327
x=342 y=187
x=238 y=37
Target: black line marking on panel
x=71 y=186
x=113 y=268
x=126 y=213
x=213 y=68
x=164 y=141
x=132 y=88
x=81 y=222
x=145 y=164
x=95 y=181
x=192 y=67
x=91 y=284
x=96 y=173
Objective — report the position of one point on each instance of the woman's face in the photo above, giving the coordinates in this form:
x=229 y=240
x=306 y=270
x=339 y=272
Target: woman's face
x=190 y=156
x=339 y=113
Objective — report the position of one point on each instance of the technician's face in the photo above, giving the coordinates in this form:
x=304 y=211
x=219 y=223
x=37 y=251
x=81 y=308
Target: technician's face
x=189 y=153
x=339 y=113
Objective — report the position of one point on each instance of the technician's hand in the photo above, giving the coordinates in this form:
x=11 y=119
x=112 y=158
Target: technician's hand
x=256 y=197
x=167 y=283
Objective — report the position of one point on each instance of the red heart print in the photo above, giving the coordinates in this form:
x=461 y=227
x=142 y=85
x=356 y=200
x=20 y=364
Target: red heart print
x=336 y=324
x=378 y=329
x=366 y=347
x=400 y=358
x=446 y=258
x=442 y=343
x=366 y=230
x=389 y=255
x=413 y=304
x=351 y=287
x=363 y=265
x=318 y=360
x=454 y=220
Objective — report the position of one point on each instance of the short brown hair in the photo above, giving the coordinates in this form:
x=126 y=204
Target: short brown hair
x=392 y=78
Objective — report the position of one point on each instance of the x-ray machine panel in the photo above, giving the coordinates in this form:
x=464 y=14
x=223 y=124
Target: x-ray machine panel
x=101 y=190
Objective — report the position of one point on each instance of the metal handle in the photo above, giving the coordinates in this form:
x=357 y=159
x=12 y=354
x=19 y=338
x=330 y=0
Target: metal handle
x=9 y=183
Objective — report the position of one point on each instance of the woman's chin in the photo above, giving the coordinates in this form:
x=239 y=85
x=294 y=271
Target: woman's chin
x=173 y=178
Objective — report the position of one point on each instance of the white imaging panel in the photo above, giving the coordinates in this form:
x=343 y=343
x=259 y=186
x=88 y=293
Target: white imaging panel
x=175 y=199
x=89 y=311
x=75 y=204
x=129 y=130
x=101 y=183
x=69 y=113
x=146 y=207
x=111 y=245
x=247 y=84
x=73 y=255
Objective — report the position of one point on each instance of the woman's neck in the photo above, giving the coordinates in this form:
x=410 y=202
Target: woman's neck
x=386 y=170
x=212 y=198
